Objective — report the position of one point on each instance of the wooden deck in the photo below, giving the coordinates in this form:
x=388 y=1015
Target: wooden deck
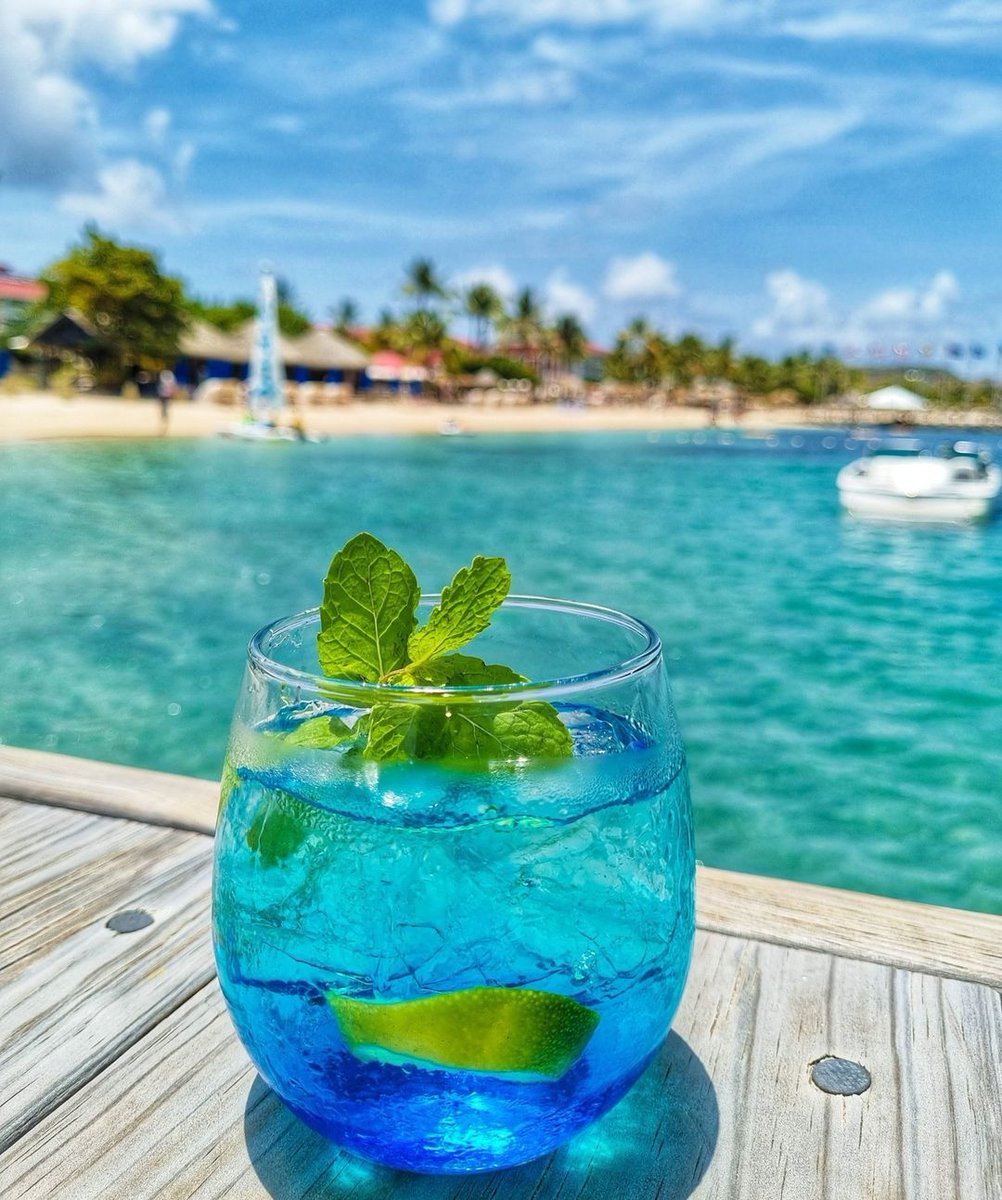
x=121 y=1077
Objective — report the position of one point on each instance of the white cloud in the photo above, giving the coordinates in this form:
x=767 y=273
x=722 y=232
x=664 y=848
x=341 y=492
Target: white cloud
x=287 y=123
x=645 y=277
x=907 y=308
x=523 y=86
x=130 y=195
x=665 y=13
x=184 y=156
x=49 y=127
x=109 y=33
x=563 y=295
x=496 y=276
x=899 y=21
x=803 y=311
x=801 y=308
x=922 y=21
x=157 y=124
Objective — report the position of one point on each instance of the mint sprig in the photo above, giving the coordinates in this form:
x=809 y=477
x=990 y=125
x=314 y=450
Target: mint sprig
x=465 y=610
x=368 y=611
x=368 y=632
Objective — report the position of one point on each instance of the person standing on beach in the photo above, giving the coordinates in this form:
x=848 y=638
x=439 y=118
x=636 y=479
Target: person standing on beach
x=166 y=387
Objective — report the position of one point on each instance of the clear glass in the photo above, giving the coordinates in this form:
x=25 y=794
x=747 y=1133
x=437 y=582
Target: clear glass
x=340 y=882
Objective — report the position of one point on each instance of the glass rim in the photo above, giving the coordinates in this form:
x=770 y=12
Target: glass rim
x=368 y=693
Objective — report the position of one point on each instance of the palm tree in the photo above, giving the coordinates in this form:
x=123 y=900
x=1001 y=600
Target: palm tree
x=483 y=306
x=423 y=283
x=345 y=315
x=570 y=339
x=641 y=354
x=424 y=331
x=691 y=357
x=387 y=333
x=523 y=328
x=720 y=360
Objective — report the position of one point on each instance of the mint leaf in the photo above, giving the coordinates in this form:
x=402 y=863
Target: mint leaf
x=462 y=670
x=319 y=733
x=465 y=610
x=280 y=826
x=469 y=734
x=367 y=631
x=533 y=730
x=367 y=614
x=392 y=732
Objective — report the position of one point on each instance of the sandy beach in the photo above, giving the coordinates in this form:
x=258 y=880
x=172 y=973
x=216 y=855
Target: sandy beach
x=45 y=416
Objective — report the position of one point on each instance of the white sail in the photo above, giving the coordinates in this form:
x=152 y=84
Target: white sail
x=266 y=386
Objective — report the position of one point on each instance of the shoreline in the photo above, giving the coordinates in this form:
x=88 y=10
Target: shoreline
x=47 y=417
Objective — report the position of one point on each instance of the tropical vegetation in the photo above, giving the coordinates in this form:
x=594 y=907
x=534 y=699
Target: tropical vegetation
x=140 y=312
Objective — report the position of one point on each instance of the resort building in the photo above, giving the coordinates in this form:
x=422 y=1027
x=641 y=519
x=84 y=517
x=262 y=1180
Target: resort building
x=17 y=293
x=318 y=356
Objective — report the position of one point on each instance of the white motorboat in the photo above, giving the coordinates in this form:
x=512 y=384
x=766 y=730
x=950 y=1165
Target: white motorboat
x=903 y=480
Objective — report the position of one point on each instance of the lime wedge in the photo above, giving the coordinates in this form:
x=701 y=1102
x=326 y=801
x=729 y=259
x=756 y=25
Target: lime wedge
x=494 y=1029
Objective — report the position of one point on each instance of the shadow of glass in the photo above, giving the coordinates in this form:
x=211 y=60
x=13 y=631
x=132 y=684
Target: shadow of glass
x=658 y=1140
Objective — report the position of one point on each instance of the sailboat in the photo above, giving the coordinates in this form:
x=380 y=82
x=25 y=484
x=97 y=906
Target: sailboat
x=266 y=385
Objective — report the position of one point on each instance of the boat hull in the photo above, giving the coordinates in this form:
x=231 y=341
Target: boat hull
x=975 y=500
x=932 y=509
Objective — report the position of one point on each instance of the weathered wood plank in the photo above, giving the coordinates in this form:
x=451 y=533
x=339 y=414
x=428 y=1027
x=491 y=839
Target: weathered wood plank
x=728 y=1112
x=919 y=937
x=73 y=993
x=81 y=783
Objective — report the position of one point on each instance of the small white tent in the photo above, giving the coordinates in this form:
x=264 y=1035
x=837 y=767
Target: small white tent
x=895 y=398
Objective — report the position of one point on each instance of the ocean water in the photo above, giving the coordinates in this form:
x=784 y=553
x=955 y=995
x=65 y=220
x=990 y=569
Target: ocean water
x=839 y=685
x=573 y=881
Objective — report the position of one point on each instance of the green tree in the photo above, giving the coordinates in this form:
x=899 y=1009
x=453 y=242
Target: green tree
x=386 y=334
x=139 y=311
x=570 y=339
x=424 y=331
x=226 y=317
x=640 y=354
x=345 y=315
x=756 y=375
x=523 y=327
x=423 y=283
x=484 y=307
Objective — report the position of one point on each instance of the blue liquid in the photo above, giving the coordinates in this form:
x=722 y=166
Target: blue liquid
x=408 y=881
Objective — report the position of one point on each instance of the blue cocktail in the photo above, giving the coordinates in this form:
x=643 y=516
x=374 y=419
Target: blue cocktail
x=446 y=967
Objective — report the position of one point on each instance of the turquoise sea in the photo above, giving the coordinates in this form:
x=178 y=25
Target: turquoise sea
x=839 y=685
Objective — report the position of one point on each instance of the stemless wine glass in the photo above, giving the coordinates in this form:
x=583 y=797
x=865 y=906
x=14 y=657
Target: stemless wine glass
x=449 y=966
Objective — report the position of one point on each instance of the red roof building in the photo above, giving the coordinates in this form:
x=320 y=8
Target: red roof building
x=17 y=289
x=16 y=294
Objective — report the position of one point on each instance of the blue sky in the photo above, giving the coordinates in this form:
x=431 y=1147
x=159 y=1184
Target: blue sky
x=791 y=173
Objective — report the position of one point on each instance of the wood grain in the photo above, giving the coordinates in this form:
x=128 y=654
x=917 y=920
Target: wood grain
x=727 y=1112
x=81 y=783
x=920 y=937
x=73 y=994
x=927 y=938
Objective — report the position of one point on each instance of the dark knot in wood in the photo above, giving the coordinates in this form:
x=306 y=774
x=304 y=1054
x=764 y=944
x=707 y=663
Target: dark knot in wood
x=840 y=1076
x=129 y=921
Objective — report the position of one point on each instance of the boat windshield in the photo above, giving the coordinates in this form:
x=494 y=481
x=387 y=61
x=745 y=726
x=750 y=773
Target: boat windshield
x=902 y=448
x=966 y=450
